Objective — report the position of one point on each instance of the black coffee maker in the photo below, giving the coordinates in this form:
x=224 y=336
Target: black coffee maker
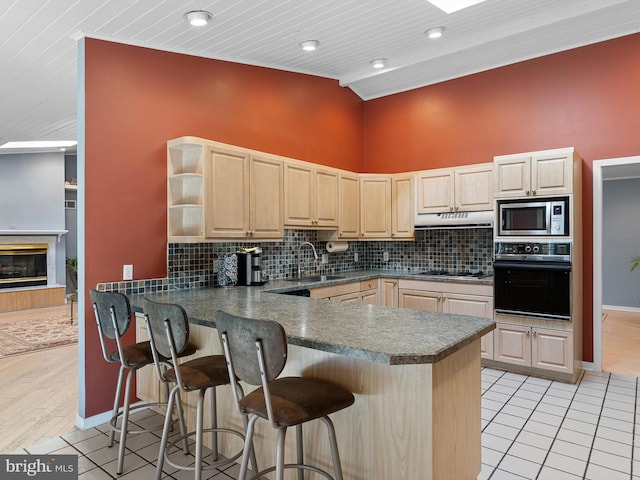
x=250 y=267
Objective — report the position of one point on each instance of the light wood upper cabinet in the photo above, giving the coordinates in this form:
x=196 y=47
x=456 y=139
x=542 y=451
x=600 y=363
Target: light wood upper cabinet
x=244 y=195
x=266 y=197
x=375 y=206
x=311 y=196
x=349 y=206
x=386 y=206
x=462 y=189
x=227 y=200
x=402 y=204
x=531 y=174
x=326 y=197
x=474 y=188
x=435 y=191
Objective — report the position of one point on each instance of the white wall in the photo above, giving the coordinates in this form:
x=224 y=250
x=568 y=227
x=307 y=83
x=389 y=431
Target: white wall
x=32 y=196
x=620 y=242
x=32 y=191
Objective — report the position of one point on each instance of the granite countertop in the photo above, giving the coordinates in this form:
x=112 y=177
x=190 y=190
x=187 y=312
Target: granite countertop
x=388 y=335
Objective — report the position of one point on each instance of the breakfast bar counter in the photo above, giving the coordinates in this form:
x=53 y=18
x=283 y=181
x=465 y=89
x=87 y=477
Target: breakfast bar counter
x=415 y=376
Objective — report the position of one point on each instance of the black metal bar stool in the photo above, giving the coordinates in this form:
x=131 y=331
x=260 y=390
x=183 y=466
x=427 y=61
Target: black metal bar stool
x=113 y=316
x=169 y=330
x=256 y=352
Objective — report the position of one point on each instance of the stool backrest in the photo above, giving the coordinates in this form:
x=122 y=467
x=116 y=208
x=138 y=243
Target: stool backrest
x=160 y=314
x=104 y=303
x=242 y=334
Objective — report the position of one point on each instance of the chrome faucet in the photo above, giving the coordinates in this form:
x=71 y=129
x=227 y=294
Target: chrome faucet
x=315 y=256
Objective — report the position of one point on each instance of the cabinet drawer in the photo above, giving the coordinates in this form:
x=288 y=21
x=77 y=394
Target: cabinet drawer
x=448 y=287
x=333 y=290
x=368 y=284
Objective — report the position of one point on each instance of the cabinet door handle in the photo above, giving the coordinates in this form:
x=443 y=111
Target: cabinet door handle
x=533 y=192
x=451 y=208
x=534 y=333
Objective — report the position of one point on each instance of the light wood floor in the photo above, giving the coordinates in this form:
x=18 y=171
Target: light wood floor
x=38 y=391
x=621 y=342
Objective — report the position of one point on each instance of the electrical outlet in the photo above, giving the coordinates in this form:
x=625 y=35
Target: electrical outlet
x=325 y=258
x=127 y=272
x=385 y=256
x=355 y=256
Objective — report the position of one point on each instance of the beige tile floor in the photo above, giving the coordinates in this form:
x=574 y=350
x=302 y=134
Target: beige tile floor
x=531 y=429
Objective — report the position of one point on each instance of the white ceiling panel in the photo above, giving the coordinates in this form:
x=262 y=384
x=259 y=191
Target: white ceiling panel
x=38 y=50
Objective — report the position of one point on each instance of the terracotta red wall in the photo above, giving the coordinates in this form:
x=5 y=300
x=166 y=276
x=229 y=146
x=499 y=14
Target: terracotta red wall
x=587 y=98
x=137 y=99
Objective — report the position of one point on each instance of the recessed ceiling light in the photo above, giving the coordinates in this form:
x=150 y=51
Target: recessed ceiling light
x=435 y=32
x=310 y=45
x=450 y=6
x=40 y=144
x=198 y=18
x=379 y=63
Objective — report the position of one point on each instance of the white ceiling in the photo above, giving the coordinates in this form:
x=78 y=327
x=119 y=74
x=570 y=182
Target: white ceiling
x=38 y=43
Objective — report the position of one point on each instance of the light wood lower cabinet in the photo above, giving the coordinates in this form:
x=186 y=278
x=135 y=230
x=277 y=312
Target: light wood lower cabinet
x=455 y=298
x=531 y=346
x=369 y=292
x=389 y=292
x=365 y=291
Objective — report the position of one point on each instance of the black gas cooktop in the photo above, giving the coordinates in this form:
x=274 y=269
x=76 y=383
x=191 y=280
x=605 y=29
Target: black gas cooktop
x=447 y=273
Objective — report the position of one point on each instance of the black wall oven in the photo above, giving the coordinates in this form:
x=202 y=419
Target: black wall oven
x=533 y=279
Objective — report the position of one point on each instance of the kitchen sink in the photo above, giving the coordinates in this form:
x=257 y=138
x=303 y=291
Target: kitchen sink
x=315 y=278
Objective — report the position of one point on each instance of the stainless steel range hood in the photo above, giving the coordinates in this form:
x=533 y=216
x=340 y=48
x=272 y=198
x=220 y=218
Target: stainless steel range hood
x=433 y=221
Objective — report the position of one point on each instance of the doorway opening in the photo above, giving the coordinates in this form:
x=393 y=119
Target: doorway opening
x=616 y=309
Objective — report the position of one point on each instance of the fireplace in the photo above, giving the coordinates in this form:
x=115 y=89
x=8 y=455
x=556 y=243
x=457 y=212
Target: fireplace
x=23 y=265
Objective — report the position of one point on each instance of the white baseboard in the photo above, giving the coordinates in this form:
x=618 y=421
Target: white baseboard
x=95 y=420
x=621 y=309
x=90 y=422
x=590 y=366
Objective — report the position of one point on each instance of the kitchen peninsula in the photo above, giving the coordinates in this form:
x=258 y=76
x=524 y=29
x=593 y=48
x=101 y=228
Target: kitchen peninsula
x=415 y=375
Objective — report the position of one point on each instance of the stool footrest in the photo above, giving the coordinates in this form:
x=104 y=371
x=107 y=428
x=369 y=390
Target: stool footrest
x=136 y=408
x=221 y=463
x=298 y=466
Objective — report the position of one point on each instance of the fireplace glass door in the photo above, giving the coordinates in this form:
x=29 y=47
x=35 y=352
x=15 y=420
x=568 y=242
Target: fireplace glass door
x=23 y=265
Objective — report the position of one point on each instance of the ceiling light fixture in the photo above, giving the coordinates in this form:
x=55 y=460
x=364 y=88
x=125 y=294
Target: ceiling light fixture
x=40 y=144
x=379 y=62
x=435 y=32
x=450 y=6
x=310 y=45
x=198 y=18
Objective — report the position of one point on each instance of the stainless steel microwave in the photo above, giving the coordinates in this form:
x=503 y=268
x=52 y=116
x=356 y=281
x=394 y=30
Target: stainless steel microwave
x=529 y=217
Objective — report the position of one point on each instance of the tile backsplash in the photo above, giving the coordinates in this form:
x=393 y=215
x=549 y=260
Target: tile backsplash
x=193 y=265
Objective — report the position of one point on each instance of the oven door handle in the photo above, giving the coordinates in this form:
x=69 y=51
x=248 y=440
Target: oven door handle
x=557 y=266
